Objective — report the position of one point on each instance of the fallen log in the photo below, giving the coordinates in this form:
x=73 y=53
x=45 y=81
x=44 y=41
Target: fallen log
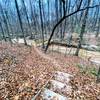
x=63 y=44
x=85 y=47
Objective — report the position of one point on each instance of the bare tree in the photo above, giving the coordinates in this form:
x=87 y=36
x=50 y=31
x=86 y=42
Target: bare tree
x=6 y=24
x=98 y=28
x=20 y=21
x=32 y=17
x=3 y=34
x=9 y=24
x=82 y=28
x=66 y=16
x=25 y=10
x=41 y=23
x=98 y=76
x=59 y=22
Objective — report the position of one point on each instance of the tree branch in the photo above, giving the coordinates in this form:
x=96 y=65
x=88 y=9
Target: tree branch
x=64 y=17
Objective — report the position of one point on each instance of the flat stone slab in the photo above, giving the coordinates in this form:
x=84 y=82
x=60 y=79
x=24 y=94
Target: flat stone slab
x=50 y=95
x=62 y=77
x=57 y=84
x=95 y=61
x=60 y=87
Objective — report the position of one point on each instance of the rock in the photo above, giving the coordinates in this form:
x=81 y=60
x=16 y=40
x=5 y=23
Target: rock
x=60 y=87
x=62 y=77
x=50 y=95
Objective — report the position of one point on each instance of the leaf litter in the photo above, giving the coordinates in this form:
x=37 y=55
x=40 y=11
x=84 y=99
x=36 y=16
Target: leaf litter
x=23 y=73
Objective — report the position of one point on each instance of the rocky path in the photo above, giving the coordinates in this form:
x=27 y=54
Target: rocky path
x=58 y=87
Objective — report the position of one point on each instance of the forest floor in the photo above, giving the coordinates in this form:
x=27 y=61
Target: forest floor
x=24 y=70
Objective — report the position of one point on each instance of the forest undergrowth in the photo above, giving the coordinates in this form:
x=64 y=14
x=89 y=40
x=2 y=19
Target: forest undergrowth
x=23 y=72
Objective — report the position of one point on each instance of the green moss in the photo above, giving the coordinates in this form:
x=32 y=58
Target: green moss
x=93 y=71
x=85 y=69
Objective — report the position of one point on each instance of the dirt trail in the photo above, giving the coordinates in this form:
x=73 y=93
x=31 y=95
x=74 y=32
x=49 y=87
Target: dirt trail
x=52 y=60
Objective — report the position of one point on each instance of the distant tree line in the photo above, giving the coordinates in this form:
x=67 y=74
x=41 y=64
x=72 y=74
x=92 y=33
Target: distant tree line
x=44 y=19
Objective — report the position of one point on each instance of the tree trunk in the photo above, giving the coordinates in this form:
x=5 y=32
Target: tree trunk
x=98 y=76
x=3 y=34
x=20 y=21
x=27 y=18
x=98 y=28
x=82 y=29
x=40 y=8
x=6 y=25
x=7 y=17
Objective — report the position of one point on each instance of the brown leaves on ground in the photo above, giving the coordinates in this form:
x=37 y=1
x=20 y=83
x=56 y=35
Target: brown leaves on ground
x=85 y=87
x=83 y=84
x=23 y=73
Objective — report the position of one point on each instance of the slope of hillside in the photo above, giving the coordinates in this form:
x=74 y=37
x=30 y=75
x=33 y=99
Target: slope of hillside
x=24 y=70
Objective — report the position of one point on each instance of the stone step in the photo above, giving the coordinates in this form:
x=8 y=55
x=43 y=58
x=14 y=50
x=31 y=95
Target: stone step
x=62 y=77
x=57 y=84
x=60 y=87
x=50 y=95
x=97 y=62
